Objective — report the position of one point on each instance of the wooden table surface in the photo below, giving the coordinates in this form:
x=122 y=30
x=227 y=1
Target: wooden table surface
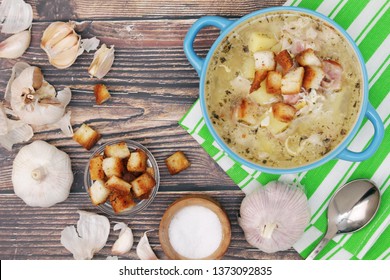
x=152 y=86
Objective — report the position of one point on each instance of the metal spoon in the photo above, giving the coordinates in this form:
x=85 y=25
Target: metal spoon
x=351 y=208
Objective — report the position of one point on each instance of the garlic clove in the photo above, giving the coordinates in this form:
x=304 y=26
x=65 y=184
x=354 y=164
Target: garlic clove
x=65 y=44
x=144 y=251
x=15 y=15
x=15 y=46
x=125 y=240
x=54 y=33
x=66 y=58
x=102 y=62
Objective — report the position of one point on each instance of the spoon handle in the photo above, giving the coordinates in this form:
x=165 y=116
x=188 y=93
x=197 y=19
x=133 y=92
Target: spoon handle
x=319 y=248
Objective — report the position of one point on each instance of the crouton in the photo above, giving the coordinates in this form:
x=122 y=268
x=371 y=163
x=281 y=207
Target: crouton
x=264 y=60
x=98 y=192
x=121 y=202
x=101 y=93
x=283 y=112
x=117 y=184
x=112 y=166
x=137 y=161
x=292 y=81
x=313 y=77
x=96 y=168
x=143 y=184
x=260 y=75
x=86 y=136
x=308 y=57
x=150 y=171
x=119 y=150
x=285 y=60
x=273 y=82
x=177 y=163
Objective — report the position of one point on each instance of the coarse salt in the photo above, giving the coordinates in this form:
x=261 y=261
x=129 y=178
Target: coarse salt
x=195 y=232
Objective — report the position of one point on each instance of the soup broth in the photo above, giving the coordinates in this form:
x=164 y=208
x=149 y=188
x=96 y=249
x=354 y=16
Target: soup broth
x=283 y=90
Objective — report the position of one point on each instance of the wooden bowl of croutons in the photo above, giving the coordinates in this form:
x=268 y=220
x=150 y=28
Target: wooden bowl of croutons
x=122 y=178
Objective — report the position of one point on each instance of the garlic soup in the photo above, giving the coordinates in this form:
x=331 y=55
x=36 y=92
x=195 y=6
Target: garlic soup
x=283 y=89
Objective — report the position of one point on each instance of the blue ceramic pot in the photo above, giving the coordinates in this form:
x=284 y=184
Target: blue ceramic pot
x=341 y=151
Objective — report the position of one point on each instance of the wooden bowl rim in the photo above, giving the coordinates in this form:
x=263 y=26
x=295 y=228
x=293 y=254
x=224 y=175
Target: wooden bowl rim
x=191 y=200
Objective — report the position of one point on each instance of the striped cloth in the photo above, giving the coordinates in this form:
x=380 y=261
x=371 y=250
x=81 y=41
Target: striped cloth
x=368 y=23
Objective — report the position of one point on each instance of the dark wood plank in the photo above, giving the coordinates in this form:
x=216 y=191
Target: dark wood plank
x=124 y=9
x=22 y=228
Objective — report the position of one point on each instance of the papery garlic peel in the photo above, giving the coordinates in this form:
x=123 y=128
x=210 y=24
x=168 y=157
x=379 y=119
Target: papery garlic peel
x=125 y=240
x=41 y=174
x=16 y=16
x=61 y=44
x=144 y=251
x=91 y=235
x=274 y=217
x=15 y=46
x=102 y=62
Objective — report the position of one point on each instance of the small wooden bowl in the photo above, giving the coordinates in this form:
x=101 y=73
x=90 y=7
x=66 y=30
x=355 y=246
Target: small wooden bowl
x=194 y=200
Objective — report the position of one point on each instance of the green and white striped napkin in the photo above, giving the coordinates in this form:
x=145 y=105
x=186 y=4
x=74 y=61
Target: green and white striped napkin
x=368 y=23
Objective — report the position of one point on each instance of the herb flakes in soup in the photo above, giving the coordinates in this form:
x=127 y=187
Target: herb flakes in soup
x=283 y=90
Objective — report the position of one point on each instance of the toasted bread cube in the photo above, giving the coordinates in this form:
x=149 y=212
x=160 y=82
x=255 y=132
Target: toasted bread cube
x=101 y=93
x=313 y=77
x=308 y=57
x=273 y=82
x=264 y=60
x=283 y=112
x=137 y=161
x=143 y=184
x=112 y=166
x=260 y=75
x=96 y=168
x=117 y=184
x=86 y=136
x=150 y=171
x=98 y=192
x=177 y=163
x=285 y=60
x=292 y=81
x=119 y=150
x=121 y=202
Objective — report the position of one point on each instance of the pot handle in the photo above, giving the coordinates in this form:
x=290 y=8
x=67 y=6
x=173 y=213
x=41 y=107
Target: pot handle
x=219 y=22
x=376 y=121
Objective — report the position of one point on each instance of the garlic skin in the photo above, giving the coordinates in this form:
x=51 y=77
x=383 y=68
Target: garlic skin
x=125 y=240
x=16 y=70
x=15 y=46
x=102 y=62
x=91 y=235
x=144 y=251
x=3 y=121
x=17 y=132
x=15 y=15
x=42 y=174
x=90 y=44
x=61 y=44
x=273 y=218
x=35 y=101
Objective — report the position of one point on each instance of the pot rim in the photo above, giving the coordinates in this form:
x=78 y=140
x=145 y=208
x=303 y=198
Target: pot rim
x=342 y=146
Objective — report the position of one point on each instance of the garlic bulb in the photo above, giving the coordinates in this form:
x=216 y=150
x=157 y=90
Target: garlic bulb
x=91 y=235
x=125 y=240
x=274 y=217
x=35 y=101
x=61 y=44
x=102 y=62
x=42 y=174
x=16 y=45
x=144 y=251
x=16 y=70
x=15 y=15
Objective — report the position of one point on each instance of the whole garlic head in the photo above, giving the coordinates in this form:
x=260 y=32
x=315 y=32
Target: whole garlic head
x=61 y=44
x=42 y=174
x=34 y=100
x=274 y=217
